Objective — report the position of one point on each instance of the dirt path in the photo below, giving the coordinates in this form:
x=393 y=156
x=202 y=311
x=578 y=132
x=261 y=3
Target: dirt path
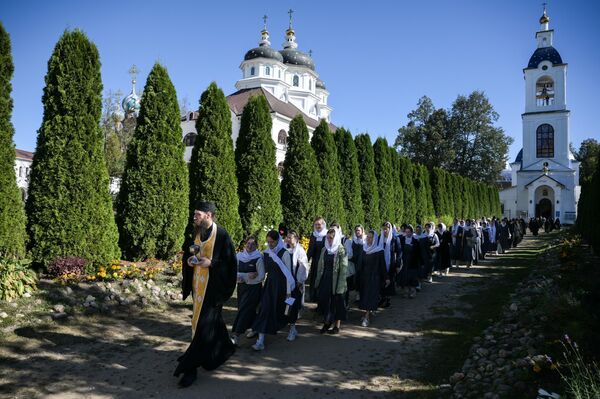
x=133 y=356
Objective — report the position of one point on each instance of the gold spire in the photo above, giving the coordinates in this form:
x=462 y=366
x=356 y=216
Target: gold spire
x=544 y=19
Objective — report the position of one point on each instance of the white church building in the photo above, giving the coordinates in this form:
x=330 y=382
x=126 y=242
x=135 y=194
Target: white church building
x=545 y=175
x=288 y=80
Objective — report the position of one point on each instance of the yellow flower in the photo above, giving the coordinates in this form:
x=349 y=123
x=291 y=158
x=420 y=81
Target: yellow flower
x=114 y=274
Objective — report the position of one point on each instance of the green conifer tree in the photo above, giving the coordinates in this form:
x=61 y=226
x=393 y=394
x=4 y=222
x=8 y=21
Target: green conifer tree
x=323 y=144
x=212 y=165
x=301 y=193
x=152 y=208
x=258 y=181
x=349 y=177
x=69 y=208
x=12 y=213
x=408 y=186
x=368 y=181
x=385 y=183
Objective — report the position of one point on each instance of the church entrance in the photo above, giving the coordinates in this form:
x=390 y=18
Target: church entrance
x=544 y=208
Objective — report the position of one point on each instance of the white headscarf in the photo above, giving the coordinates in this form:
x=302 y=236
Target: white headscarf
x=245 y=256
x=319 y=235
x=335 y=245
x=387 y=250
x=375 y=247
x=298 y=253
x=443 y=228
x=282 y=266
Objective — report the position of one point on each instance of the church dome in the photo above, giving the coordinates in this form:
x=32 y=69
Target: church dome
x=544 y=54
x=131 y=103
x=519 y=157
x=320 y=84
x=263 y=52
x=293 y=56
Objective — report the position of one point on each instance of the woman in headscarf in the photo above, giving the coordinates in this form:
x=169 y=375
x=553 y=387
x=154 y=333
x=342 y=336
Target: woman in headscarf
x=279 y=285
x=354 y=251
x=315 y=247
x=392 y=253
x=444 y=250
x=374 y=277
x=408 y=278
x=299 y=271
x=429 y=243
x=331 y=282
x=251 y=272
x=469 y=243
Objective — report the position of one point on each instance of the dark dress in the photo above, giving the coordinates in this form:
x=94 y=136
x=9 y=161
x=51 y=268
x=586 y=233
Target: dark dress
x=271 y=317
x=331 y=306
x=373 y=278
x=444 y=250
x=313 y=254
x=211 y=345
x=457 y=248
x=357 y=256
x=409 y=274
x=395 y=263
x=248 y=299
x=469 y=245
x=427 y=255
x=292 y=316
x=504 y=237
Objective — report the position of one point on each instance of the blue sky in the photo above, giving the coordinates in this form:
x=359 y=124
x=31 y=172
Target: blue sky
x=377 y=58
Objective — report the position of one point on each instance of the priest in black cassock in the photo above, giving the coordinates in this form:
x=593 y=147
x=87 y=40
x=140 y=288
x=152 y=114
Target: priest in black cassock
x=210 y=277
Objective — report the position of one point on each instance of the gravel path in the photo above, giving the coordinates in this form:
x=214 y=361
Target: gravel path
x=134 y=355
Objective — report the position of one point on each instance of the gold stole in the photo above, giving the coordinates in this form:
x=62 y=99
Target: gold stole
x=201 y=275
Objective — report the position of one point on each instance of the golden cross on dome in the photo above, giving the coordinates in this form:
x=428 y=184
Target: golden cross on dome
x=265 y=21
x=290 y=12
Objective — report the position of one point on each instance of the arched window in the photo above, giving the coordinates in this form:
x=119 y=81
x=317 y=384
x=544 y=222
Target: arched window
x=191 y=116
x=282 y=137
x=545 y=141
x=252 y=71
x=189 y=139
x=309 y=84
x=544 y=91
x=280 y=169
x=296 y=81
x=268 y=70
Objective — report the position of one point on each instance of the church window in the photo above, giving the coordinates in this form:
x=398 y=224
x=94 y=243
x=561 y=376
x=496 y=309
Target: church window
x=279 y=72
x=545 y=192
x=252 y=71
x=544 y=91
x=21 y=171
x=282 y=138
x=268 y=70
x=545 y=141
x=190 y=139
x=296 y=81
x=309 y=84
x=280 y=169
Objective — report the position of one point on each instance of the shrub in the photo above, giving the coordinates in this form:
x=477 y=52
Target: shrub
x=67 y=265
x=16 y=278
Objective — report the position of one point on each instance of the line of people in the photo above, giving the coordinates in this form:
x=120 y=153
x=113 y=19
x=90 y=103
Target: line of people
x=365 y=267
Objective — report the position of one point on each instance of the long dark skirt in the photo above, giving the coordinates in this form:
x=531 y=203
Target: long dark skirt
x=271 y=317
x=370 y=288
x=211 y=345
x=294 y=310
x=469 y=253
x=331 y=306
x=248 y=299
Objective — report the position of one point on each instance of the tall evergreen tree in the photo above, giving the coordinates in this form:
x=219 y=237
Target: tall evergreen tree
x=398 y=204
x=323 y=144
x=368 y=181
x=152 y=209
x=429 y=209
x=12 y=213
x=258 y=180
x=301 y=194
x=408 y=186
x=69 y=207
x=383 y=173
x=212 y=165
x=349 y=177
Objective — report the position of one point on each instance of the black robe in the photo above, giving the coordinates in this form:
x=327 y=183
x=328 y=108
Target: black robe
x=211 y=345
x=395 y=263
x=411 y=259
x=373 y=275
x=271 y=317
x=313 y=254
x=444 y=250
x=248 y=298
